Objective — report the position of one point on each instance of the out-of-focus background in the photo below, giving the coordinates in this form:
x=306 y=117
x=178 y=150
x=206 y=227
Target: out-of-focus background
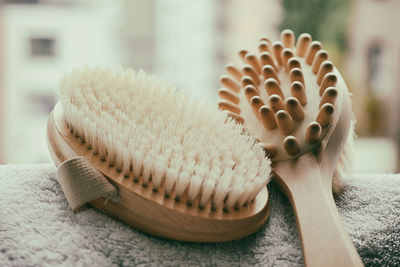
x=188 y=43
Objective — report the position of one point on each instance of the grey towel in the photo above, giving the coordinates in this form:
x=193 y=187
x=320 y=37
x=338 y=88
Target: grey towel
x=38 y=228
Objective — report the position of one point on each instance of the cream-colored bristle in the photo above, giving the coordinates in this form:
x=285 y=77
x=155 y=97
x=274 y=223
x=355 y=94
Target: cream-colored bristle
x=127 y=117
x=291 y=145
x=313 y=132
x=266 y=59
x=227 y=82
x=267 y=117
x=286 y=54
x=269 y=149
x=253 y=61
x=314 y=47
x=298 y=91
x=250 y=91
x=293 y=63
x=272 y=87
x=228 y=95
x=294 y=108
x=226 y=105
x=269 y=72
x=284 y=122
x=320 y=57
x=326 y=67
x=287 y=38
x=264 y=46
x=325 y=114
x=277 y=48
x=329 y=80
x=249 y=71
x=276 y=103
x=247 y=80
x=303 y=43
x=329 y=96
x=296 y=75
x=234 y=72
x=256 y=102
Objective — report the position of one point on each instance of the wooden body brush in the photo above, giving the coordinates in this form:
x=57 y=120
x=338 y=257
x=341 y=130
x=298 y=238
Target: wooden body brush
x=295 y=102
x=182 y=171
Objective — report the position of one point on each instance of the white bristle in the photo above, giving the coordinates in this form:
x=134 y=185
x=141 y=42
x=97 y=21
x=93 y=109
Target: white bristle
x=161 y=137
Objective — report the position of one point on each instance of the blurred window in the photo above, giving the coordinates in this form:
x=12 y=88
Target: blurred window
x=42 y=47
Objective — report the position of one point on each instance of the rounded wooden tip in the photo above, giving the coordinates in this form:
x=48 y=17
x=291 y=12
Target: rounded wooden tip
x=291 y=145
x=313 y=133
x=239 y=119
x=314 y=47
x=329 y=80
x=264 y=46
x=253 y=61
x=247 y=80
x=303 y=42
x=249 y=71
x=234 y=72
x=250 y=91
x=277 y=48
x=320 y=57
x=287 y=38
x=298 y=91
x=296 y=75
x=294 y=108
x=286 y=54
x=256 y=102
x=272 y=87
x=293 y=63
x=227 y=82
x=228 y=95
x=276 y=103
x=267 y=117
x=269 y=149
x=265 y=39
x=325 y=114
x=269 y=72
x=325 y=68
x=226 y=105
x=266 y=59
x=329 y=96
x=243 y=53
x=284 y=122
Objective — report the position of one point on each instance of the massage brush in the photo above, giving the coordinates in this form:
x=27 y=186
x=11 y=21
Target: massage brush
x=183 y=170
x=294 y=101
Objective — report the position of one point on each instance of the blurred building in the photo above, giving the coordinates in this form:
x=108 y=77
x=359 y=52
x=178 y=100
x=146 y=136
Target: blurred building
x=40 y=40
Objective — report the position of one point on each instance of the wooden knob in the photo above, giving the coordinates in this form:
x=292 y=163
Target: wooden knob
x=314 y=47
x=303 y=42
x=284 y=122
x=267 y=117
x=291 y=145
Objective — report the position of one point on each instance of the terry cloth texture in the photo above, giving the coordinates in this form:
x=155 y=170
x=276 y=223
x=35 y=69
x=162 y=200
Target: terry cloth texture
x=37 y=228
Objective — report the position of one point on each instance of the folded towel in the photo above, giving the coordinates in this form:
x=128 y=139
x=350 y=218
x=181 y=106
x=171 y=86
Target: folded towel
x=38 y=228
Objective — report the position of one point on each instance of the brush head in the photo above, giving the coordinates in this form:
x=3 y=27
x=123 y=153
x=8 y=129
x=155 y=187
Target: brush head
x=161 y=139
x=288 y=95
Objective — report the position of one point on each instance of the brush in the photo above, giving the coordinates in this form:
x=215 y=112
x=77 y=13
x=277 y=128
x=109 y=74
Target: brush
x=183 y=170
x=291 y=97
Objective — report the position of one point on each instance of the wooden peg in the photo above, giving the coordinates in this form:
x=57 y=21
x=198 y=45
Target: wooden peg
x=243 y=53
x=249 y=71
x=298 y=91
x=325 y=115
x=294 y=108
x=291 y=145
x=228 y=95
x=287 y=54
x=269 y=149
x=276 y=103
x=256 y=102
x=313 y=132
x=250 y=91
x=293 y=63
x=264 y=46
x=326 y=67
x=234 y=72
x=320 y=57
x=267 y=117
x=227 y=82
x=272 y=87
x=226 y=105
x=303 y=42
x=266 y=59
x=287 y=38
x=265 y=39
x=253 y=61
x=329 y=80
x=269 y=72
x=247 y=80
x=296 y=75
x=314 y=47
x=329 y=96
x=277 y=48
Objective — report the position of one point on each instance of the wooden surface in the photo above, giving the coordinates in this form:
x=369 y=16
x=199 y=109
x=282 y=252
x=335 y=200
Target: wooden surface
x=151 y=212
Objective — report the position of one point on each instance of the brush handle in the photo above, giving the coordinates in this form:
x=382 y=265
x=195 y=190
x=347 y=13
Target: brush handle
x=325 y=240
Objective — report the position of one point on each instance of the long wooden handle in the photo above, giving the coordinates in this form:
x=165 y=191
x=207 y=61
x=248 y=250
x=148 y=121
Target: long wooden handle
x=324 y=238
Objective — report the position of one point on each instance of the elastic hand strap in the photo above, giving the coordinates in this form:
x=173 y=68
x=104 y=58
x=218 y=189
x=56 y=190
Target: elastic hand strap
x=81 y=183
